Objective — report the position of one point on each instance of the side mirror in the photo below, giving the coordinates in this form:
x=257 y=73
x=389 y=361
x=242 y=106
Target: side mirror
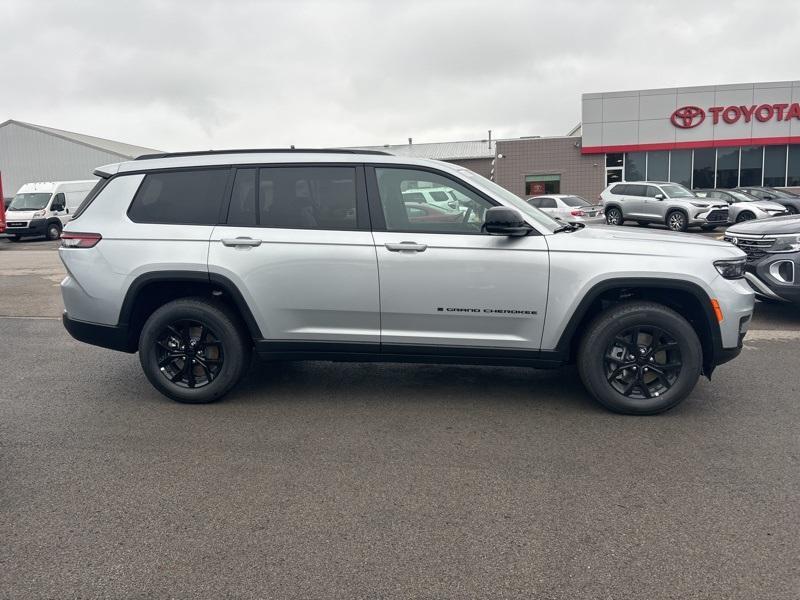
x=659 y=196
x=501 y=220
x=57 y=207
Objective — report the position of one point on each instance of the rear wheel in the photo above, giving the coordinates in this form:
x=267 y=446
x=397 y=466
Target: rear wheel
x=640 y=358
x=677 y=221
x=193 y=350
x=614 y=216
x=53 y=231
x=745 y=216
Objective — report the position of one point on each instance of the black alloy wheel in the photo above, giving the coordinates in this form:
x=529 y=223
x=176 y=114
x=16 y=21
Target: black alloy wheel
x=189 y=354
x=745 y=216
x=613 y=216
x=643 y=362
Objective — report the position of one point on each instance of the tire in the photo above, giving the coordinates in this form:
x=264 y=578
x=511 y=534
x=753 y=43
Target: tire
x=614 y=216
x=14 y=238
x=676 y=221
x=220 y=356
x=643 y=223
x=791 y=210
x=53 y=231
x=613 y=332
x=745 y=216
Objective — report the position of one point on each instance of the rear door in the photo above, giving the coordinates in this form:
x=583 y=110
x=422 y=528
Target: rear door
x=449 y=284
x=296 y=242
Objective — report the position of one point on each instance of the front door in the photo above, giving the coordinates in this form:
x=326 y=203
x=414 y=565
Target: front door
x=443 y=282
x=297 y=245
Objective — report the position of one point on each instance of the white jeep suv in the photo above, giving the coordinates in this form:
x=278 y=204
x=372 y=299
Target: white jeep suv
x=195 y=260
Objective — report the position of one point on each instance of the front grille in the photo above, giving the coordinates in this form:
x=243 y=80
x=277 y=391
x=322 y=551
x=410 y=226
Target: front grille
x=721 y=214
x=16 y=224
x=754 y=247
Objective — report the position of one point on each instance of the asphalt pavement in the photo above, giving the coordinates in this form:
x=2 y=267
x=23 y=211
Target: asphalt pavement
x=323 y=480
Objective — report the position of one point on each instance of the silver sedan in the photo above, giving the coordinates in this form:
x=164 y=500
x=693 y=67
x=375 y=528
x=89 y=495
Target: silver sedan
x=744 y=207
x=569 y=208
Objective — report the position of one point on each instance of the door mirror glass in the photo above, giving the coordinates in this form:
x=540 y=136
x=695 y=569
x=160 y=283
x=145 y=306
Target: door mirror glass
x=501 y=220
x=659 y=196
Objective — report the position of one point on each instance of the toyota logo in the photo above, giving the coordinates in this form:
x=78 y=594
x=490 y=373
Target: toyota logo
x=687 y=117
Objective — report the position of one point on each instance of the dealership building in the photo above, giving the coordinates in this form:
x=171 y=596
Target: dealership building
x=709 y=136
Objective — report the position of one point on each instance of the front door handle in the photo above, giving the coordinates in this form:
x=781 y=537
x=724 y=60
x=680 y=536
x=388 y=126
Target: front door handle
x=406 y=247
x=240 y=241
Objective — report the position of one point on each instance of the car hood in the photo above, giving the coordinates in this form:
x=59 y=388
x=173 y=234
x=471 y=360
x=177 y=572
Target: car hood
x=630 y=240
x=764 y=205
x=19 y=215
x=774 y=226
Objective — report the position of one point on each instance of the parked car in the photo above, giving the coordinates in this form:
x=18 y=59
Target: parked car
x=569 y=208
x=197 y=259
x=742 y=206
x=421 y=212
x=42 y=209
x=773 y=256
x=661 y=202
x=2 y=216
x=439 y=197
x=789 y=200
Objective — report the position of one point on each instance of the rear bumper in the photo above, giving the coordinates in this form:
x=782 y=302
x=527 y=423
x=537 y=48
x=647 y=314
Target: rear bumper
x=113 y=337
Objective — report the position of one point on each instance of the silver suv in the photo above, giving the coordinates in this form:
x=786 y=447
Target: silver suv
x=661 y=202
x=198 y=259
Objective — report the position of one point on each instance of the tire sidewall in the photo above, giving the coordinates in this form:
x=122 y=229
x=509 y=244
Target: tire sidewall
x=616 y=211
x=683 y=216
x=234 y=351
x=602 y=332
x=51 y=228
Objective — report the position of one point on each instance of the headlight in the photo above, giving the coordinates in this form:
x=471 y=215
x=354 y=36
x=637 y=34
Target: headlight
x=730 y=269
x=700 y=205
x=38 y=213
x=786 y=243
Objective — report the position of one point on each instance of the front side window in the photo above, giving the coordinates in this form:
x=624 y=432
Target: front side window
x=548 y=203
x=307 y=197
x=393 y=185
x=652 y=191
x=191 y=197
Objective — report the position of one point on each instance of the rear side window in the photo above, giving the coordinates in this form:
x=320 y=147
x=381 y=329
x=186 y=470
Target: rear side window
x=547 y=203
x=636 y=190
x=620 y=190
x=190 y=197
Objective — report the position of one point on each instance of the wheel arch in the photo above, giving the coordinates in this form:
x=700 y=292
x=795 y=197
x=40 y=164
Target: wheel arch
x=151 y=290
x=687 y=298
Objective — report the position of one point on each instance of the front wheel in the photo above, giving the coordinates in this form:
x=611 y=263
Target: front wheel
x=640 y=358
x=193 y=350
x=677 y=221
x=791 y=210
x=53 y=231
x=614 y=216
x=745 y=216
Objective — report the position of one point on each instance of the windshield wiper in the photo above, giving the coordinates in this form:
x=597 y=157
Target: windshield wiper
x=569 y=227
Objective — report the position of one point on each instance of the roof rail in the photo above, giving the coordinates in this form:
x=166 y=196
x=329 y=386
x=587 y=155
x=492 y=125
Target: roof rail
x=260 y=151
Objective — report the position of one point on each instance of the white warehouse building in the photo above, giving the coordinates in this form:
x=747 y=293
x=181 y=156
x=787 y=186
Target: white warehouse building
x=31 y=153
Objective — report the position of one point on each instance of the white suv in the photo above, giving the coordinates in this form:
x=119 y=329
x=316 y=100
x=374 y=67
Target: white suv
x=661 y=202
x=198 y=259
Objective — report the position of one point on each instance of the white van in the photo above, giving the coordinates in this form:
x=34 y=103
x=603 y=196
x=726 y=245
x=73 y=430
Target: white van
x=44 y=208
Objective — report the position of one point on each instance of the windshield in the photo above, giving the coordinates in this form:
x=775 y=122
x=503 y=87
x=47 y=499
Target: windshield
x=780 y=193
x=29 y=202
x=575 y=201
x=543 y=219
x=677 y=191
x=741 y=197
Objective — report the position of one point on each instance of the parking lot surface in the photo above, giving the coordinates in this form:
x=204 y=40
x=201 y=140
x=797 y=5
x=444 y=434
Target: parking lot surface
x=322 y=480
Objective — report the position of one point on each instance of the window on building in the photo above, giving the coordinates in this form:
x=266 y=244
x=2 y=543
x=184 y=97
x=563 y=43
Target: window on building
x=536 y=185
x=727 y=168
x=613 y=175
x=775 y=166
x=307 y=197
x=658 y=166
x=680 y=168
x=703 y=168
x=752 y=160
x=191 y=197
x=793 y=166
x=614 y=160
x=635 y=163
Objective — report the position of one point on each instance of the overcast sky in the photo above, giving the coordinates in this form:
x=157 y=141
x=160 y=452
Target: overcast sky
x=205 y=74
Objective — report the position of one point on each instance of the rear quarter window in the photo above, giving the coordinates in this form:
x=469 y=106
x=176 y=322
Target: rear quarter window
x=191 y=197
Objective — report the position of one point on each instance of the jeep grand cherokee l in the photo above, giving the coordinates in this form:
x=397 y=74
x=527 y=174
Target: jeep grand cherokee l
x=197 y=259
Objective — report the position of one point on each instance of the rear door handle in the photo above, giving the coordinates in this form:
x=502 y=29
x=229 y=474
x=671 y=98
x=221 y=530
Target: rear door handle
x=406 y=247
x=240 y=241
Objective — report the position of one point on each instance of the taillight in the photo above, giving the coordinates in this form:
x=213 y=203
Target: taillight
x=578 y=213
x=70 y=239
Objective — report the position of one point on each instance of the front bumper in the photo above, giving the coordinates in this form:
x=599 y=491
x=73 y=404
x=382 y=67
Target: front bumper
x=716 y=216
x=775 y=276
x=21 y=228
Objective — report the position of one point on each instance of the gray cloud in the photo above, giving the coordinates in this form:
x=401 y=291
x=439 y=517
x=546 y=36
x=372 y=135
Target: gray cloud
x=207 y=73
